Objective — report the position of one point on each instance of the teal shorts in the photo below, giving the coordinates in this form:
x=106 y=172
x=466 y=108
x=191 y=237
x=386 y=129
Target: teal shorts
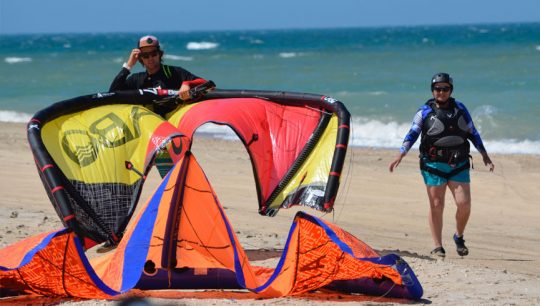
x=434 y=180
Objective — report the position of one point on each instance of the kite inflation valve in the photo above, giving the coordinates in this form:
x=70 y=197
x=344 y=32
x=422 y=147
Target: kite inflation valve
x=199 y=91
x=129 y=166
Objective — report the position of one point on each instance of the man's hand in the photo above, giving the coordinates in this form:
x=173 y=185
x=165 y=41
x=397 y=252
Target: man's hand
x=133 y=57
x=183 y=92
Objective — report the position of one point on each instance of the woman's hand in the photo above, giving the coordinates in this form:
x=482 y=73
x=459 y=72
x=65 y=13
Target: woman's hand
x=396 y=162
x=488 y=162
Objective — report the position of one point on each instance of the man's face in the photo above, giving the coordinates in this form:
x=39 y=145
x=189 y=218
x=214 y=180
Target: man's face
x=150 y=58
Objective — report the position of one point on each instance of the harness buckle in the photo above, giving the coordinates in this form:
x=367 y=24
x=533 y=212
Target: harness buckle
x=452 y=157
x=432 y=152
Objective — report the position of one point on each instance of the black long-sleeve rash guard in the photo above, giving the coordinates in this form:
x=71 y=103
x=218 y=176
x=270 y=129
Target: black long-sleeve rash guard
x=168 y=77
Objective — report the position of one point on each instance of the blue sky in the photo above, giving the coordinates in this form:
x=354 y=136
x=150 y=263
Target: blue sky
x=98 y=16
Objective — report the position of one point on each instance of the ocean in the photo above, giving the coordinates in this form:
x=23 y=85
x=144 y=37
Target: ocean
x=381 y=74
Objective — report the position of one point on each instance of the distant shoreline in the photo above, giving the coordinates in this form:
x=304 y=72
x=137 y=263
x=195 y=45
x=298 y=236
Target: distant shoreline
x=381 y=27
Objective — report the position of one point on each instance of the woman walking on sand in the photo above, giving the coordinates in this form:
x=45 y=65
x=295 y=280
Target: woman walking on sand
x=446 y=126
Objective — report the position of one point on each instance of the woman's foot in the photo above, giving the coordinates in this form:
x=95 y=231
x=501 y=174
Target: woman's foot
x=462 y=250
x=439 y=252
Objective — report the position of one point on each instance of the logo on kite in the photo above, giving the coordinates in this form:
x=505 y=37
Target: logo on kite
x=313 y=196
x=153 y=91
x=107 y=132
x=104 y=94
x=330 y=100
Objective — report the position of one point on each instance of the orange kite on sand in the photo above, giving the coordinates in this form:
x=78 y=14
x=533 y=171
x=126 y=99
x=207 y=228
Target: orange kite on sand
x=181 y=238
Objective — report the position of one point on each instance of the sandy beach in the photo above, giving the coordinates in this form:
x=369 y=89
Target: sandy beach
x=386 y=210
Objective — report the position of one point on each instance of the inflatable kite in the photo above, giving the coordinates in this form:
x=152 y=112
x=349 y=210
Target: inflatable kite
x=93 y=154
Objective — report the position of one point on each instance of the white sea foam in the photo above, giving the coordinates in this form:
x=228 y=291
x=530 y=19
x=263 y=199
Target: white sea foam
x=288 y=54
x=507 y=146
x=217 y=131
x=479 y=30
x=255 y=41
x=12 y=116
x=538 y=48
x=178 y=57
x=16 y=60
x=374 y=133
x=378 y=134
x=485 y=110
x=202 y=45
x=377 y=93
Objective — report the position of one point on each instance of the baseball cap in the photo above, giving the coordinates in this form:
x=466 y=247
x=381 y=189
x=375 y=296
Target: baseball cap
x=148 y=41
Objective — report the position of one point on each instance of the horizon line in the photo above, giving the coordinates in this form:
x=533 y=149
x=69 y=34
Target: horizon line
x=281 y=29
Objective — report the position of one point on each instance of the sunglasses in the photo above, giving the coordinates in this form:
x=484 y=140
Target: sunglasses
x=146 y=55
x=443 y=89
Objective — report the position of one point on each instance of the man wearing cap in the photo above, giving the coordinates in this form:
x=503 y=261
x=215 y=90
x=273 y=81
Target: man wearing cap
x=150 y=55
x=446 y=127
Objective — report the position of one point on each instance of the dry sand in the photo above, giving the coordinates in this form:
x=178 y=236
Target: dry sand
x=387 y=211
